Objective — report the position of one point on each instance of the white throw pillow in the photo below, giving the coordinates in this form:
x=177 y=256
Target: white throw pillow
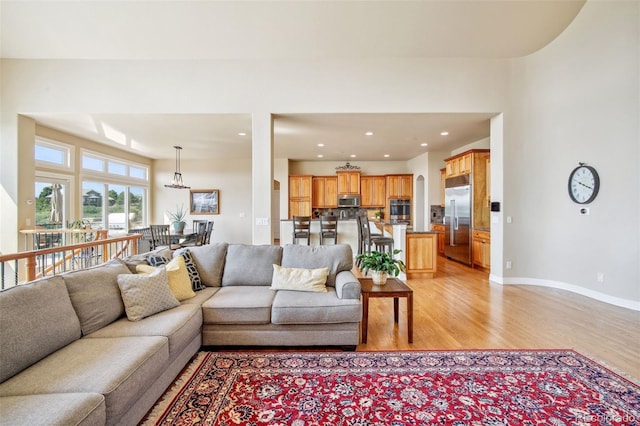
x=299 y=279
x=145 y=295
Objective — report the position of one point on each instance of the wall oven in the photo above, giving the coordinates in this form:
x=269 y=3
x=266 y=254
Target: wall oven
x=400 y=210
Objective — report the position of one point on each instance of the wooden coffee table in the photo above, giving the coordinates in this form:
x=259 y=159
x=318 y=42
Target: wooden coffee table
x=393 y=288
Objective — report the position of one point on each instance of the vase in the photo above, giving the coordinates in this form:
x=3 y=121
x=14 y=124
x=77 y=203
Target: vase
x=379 y=277
x=178 y=227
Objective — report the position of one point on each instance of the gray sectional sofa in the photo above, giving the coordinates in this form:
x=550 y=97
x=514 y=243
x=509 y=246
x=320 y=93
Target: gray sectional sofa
x=69 y=355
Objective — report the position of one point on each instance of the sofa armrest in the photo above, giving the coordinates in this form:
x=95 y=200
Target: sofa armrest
x=347 y=285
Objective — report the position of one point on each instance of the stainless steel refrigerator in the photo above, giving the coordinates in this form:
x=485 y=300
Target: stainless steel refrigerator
x=457 y=219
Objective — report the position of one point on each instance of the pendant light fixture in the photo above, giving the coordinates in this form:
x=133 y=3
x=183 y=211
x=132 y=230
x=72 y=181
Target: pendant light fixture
x=177 y=176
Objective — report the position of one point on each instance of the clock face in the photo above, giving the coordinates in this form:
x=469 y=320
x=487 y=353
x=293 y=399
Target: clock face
x=584 y=184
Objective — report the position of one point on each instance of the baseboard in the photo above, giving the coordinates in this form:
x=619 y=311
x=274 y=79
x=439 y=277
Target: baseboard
x=606 y=298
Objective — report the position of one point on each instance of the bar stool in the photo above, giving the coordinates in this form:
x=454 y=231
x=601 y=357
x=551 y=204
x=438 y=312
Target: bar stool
x=378 y=243
x=301 y=228
x=328 y=228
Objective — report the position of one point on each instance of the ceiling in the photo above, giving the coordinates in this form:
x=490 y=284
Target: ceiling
x=201 y=30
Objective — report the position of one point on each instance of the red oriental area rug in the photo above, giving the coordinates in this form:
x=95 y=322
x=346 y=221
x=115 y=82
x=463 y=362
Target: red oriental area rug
x=490 y=387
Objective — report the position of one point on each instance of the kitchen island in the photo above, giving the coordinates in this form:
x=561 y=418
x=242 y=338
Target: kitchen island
x=418 y=248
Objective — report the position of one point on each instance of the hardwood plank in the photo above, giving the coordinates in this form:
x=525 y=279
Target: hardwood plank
x=460 y=309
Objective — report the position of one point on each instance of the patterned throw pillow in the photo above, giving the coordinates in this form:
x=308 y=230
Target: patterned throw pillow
x=194 y=276
x=145 y=295
x=157 y=260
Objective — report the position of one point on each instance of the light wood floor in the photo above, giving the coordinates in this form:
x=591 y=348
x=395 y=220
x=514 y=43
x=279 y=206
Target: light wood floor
x=461 y=309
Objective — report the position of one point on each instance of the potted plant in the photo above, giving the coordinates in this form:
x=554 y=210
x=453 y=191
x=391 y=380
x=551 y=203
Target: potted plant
x=381 y=264
x=177 y=219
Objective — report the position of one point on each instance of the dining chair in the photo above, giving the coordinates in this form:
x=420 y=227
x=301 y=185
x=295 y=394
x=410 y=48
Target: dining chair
x=301 y=228
x=328 y=228
x=197 y=239
x=145 y=243
x=161 y=235
x=208 y=232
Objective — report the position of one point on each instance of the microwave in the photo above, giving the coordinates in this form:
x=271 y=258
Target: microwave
x=348 y=201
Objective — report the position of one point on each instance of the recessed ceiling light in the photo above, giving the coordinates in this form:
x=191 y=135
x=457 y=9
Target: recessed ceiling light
x=242 y=134
x=320 y=144
x=445 y=133
x=387 y=156
x=320 y=155
x=352 y=156
x=369 y=134
x=424 y=144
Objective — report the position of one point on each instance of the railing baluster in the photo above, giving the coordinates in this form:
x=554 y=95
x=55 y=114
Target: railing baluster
x=60 y=259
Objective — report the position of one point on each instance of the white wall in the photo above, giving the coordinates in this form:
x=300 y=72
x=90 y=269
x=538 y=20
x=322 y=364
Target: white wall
x=577 y=100
x=232 y=178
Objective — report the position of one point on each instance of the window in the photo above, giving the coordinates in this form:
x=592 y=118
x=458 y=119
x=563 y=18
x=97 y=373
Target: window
x=113 y=206
x=51 y=202
x=94 y=163
x=54 y=154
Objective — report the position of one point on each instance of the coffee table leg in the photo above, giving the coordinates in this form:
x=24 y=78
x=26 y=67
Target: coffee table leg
x=410 y=316
x=365 y=316
x=395 y=310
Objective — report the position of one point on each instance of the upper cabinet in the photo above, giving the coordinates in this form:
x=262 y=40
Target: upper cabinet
x=325 y=192
x=300 y=195
x=459 y=165
x=372 y=191
x=348 y=183
x=399 y=186
x=477 y=164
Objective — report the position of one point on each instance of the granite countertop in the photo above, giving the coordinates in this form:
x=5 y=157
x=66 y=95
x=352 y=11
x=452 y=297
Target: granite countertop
x=420 y=232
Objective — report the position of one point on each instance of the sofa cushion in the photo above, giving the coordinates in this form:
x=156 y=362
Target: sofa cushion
x=299 y=279
x=209 y=259
x=192 y=270
x=145 y=295
x=337 y=258
x=248 y=265
x=37 y=319
x=179 y=325
x=81 y=409
x=239 y=305
x=95 y=294
x=179 y=281
x=294 y=307
x=121 y=369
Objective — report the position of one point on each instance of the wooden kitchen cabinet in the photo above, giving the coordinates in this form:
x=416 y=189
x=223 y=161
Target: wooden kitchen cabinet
x=443 y=178
x=300 y=195
x=461 y=164
x=373 y=191
x=421 y=254
x=481 y=249
x=348 y=183
x=324 y=192
x=439 y=228
x=399 y=186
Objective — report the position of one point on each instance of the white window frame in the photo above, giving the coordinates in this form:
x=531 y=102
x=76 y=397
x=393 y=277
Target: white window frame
x=116 y=178
x=67 y=149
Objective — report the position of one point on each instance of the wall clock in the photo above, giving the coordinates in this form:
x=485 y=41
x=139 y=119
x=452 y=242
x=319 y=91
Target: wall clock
x=584 y=184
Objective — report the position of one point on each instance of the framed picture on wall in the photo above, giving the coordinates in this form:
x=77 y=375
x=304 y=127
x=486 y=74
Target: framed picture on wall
x=204 y=201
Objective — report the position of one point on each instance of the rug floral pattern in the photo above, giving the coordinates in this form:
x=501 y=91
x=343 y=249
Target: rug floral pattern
x=403 y=388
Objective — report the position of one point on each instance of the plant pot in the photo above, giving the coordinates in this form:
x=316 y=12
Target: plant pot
x=379 y=277
x=178 y=227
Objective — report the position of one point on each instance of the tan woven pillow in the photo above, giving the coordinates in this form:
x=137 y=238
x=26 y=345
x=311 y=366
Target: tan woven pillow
x=299 y=279
x=145 y=295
